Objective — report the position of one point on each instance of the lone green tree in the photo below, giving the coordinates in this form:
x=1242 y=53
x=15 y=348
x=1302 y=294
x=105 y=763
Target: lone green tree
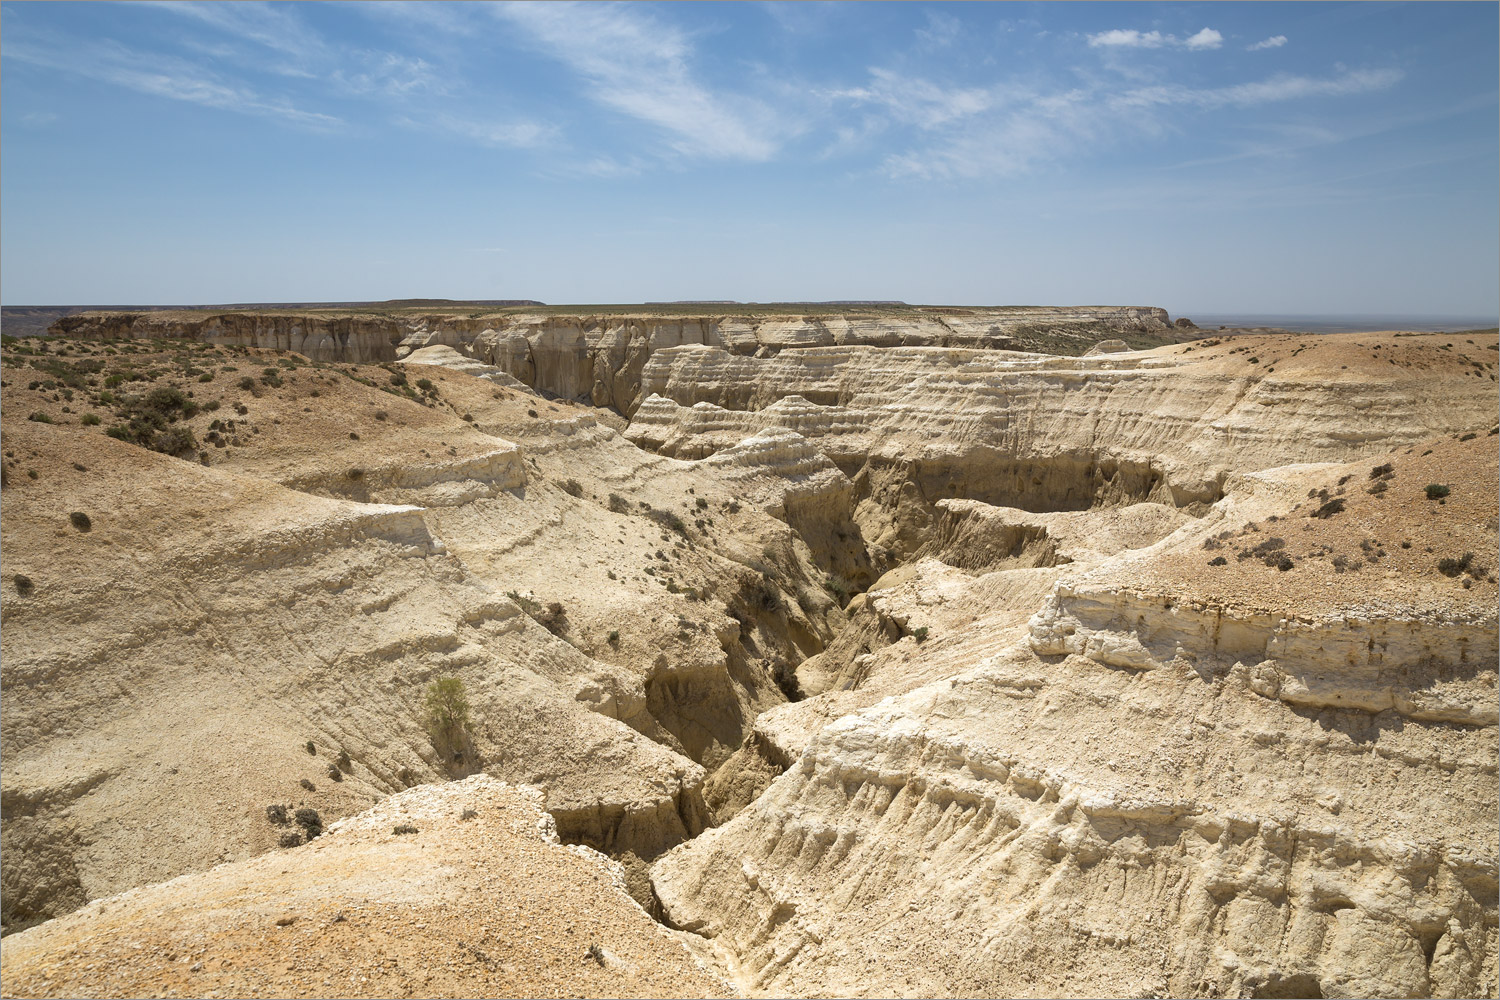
x=448 y=717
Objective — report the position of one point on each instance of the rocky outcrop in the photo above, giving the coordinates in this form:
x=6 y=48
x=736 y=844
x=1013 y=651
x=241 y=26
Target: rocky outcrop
x=1185 y=778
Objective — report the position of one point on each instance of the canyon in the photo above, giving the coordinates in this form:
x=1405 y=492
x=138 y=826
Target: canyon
x=1025 y=651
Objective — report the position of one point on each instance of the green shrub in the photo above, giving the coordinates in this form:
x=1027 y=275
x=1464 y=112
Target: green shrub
x=81 y=521
x=40 y=417
x=1436 y=491
x=614 y=636
x=920 y=633
x=404 y=829
x=447 y=715
x=89 y=420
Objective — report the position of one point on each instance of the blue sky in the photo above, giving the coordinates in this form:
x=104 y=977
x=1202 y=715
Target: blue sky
x=1223 y=157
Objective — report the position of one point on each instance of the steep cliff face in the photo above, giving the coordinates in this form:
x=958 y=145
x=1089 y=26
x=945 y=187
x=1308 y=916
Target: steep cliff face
x=1180 y=779
x=600 y=358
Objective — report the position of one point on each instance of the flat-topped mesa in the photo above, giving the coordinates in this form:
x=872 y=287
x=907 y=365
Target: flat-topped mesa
x=600 y=357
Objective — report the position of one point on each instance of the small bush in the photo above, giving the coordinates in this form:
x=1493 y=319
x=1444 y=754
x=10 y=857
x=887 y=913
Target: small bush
x=1332 y=507
x=89 y=420
x=920 y=633
x=425 y=384
x=278 y=815
x=206 y=377
x=81 y=521
x=1218 y=561
x=310 y=821
x=290 y=838
x=404 y=829
x=614 y=636
x=247 y=383
x=1436 y=491
x=23 y=585
x=381 y=414
x=702 y=504
x=571 y=487
x=334 y=774
x=344 y=762
x=40 y=417
x=1453 y=567
x=1381 y=471
x=468 y=814
x=307 y=786
x=618 y=504
x=311 y=748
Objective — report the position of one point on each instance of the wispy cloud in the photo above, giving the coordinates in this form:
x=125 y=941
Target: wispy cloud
x=1012 y=130
x=276 y=28
x=916 y=101
x=640 y=66
x=389 y=74
x=1274 y=42
x=162 y=76
x=1129 y=38
x=520 y=134
x=1282 y=87
x=941 y=31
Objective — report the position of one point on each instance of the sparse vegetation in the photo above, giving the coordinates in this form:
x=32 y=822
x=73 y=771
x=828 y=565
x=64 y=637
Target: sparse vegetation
x=447 y=716
x=1332 y=507
x=23 y=584
x=404 y=829
x=1436 y=491
x=81 y=521
x=311 y=823
x=1453 y=567
x=920 y=633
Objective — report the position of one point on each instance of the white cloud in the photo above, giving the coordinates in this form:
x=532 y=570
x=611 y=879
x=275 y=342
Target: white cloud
x=1129 y=38
x=1208 y=38
x=1274 y=42
x=639 y=66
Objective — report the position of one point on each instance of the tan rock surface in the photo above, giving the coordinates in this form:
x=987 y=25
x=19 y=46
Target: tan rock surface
x=489 y=906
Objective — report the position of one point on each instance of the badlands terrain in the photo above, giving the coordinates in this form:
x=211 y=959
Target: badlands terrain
x=860 y=652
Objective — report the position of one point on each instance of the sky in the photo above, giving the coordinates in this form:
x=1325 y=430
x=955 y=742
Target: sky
x=1221 y=157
